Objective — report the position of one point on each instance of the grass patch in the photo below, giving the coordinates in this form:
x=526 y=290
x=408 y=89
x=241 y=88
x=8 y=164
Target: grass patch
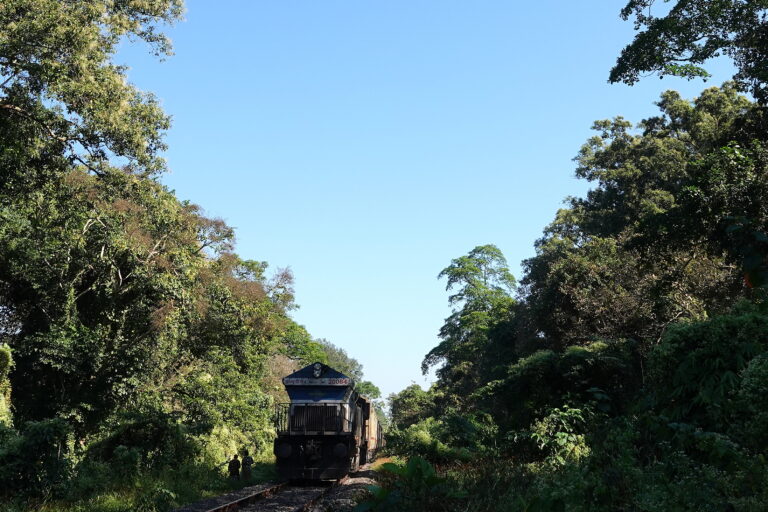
x=159 y=491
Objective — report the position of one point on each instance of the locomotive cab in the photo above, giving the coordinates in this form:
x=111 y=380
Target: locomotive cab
x=322 y=434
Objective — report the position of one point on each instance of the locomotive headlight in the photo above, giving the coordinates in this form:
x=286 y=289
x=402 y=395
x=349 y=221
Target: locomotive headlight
x=283 y=450
x=340 y=450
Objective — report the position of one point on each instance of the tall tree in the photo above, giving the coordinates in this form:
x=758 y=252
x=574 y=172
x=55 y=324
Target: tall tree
x=677 y=42
x=482 y=308
x=652 y=241
x=58 y=81
x=112 y=291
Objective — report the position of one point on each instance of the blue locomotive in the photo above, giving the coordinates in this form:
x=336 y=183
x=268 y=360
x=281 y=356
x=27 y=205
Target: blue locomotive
x=327 y=429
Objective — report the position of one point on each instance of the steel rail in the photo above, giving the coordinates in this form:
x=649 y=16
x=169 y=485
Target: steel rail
x=251 y=499
x=235 y=505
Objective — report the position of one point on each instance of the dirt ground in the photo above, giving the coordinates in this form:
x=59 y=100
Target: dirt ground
x=343 y=498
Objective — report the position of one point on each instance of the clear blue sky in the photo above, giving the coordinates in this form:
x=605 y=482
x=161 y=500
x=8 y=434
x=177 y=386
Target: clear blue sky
x=365 y=144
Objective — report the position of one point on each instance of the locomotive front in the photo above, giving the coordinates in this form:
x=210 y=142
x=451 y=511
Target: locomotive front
x=321 y=432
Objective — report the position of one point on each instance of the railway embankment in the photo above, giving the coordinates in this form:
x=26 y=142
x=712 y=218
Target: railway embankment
x=341 y=496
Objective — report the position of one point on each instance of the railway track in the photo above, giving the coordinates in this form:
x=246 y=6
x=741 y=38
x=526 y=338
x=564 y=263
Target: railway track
x=280 y=497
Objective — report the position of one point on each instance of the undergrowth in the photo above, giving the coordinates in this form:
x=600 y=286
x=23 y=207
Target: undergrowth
x=157 y=491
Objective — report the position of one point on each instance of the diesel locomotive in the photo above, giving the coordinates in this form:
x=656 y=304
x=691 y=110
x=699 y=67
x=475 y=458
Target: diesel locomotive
x=327 y=429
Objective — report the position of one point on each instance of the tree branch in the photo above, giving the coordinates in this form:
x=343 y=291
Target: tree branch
x=20 y=111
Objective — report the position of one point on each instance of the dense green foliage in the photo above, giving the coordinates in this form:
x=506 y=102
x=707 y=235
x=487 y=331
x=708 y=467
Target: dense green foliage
x=413 y=486
x=628 y=369
x=691 y=32
x=136 y=348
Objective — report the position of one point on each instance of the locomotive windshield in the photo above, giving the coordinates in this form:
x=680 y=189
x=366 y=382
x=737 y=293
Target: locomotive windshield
x=316 y=393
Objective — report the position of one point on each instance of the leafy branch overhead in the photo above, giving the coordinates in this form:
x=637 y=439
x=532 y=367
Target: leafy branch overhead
x=680 y=39
x=56 y=72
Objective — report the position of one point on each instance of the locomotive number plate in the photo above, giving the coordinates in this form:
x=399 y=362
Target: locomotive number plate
x=297 y=381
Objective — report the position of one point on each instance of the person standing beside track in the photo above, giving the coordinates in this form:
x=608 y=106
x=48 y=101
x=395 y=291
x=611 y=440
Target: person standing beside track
x=234 y=468
x=247 y=463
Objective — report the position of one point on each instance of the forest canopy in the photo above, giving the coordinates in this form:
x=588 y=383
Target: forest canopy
x=676 y=40
x=626 y=369
x=133 y=338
